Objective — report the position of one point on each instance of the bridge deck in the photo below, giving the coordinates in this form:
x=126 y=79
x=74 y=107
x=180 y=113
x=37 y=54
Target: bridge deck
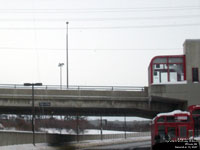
x=85 y=102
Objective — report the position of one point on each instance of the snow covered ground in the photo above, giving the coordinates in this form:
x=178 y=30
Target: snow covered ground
x=105 y=132
x=120 y=118
x=88 y=131
x=27 y=147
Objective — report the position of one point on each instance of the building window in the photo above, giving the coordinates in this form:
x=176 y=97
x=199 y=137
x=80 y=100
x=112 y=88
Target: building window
x=176 y=72
x=165 y=69
x=160 y=73
x=195 y=75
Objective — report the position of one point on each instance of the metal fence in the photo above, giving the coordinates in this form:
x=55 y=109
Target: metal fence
x=25 y=137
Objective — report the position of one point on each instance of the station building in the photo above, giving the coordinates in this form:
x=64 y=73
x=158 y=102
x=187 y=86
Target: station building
x=177 y=76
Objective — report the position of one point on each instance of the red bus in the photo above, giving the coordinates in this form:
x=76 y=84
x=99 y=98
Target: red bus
x=195 y=113
x=173 y=126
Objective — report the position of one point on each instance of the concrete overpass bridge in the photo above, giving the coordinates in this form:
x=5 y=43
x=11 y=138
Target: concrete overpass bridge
x=88 y=101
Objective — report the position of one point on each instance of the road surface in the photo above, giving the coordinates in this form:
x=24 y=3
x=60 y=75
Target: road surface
x=128 y=146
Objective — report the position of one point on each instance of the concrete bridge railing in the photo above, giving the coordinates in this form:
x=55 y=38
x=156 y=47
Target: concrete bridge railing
x=75 y=87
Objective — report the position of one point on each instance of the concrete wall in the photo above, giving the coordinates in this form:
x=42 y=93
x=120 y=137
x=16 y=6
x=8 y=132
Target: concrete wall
x=12 y=138
x=192 y=54
x=15 y=138
x=193 y=93
x=169 y=91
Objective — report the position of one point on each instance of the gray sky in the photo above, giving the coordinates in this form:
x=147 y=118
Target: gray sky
x=111 y=42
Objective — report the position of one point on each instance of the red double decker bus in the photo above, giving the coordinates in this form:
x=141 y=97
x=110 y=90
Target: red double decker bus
x=195 y=113
x=172 y=126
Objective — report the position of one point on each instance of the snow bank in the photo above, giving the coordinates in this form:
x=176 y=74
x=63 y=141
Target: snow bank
x=87 y=131
x=96 y=132
x=27 y=147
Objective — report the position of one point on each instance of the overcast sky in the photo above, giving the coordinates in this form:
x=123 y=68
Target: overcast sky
x=111 y=42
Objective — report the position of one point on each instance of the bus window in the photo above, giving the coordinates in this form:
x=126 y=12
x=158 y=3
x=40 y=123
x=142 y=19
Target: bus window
x=161 y=131
x=182 y=119
x=171 y=132
x=182 y=131
x=161 y=119
x=196 y=125
x=196 y=112
x=170 y=119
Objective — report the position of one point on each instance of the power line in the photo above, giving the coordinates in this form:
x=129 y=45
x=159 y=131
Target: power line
x=97 y=10
x=103 y=19
x=108 y=27
x=92 y=49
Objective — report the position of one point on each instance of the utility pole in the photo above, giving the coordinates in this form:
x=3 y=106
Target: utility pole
x=67 y=69
x=33 y=107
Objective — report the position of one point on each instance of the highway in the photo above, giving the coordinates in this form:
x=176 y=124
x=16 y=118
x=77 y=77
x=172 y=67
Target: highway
x=128 y=146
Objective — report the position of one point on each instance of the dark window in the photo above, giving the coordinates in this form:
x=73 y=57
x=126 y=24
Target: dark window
x=183 y=131
x=161 y=119
x=196 y=112
x=196 y=125
x=195 y=75
x=157 y=65
x=171 y=132
x=161 y=131
x=170 y=119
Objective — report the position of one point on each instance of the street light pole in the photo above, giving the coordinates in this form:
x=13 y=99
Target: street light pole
x=60 y=65
x=33 y=114
x=33 y=107
x=67 y=72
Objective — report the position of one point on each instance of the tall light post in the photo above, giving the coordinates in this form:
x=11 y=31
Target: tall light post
x=67 y=72
x=60 y=65
x=33 y=107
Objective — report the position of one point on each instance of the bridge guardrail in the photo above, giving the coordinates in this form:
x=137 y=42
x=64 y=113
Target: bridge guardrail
x=75 y=87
